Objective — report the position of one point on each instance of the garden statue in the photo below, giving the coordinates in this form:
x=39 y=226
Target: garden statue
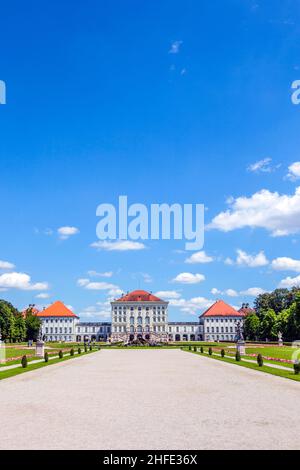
x=280 y=341
x=40 y=345
x=240 y=343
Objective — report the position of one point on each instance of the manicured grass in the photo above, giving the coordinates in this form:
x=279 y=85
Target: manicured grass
x=20 y=370
x=268 y=370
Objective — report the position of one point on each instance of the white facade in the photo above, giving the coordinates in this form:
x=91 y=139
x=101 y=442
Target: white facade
x=185 y=331
x=97 y=331
x=133 y=320
x=59 y=328
x=220 y=328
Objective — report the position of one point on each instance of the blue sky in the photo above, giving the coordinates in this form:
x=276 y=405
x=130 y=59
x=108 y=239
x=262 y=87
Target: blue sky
x=170 y=101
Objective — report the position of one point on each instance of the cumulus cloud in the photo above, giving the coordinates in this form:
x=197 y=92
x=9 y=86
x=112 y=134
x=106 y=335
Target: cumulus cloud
x=253 y=292
x=6 y=265
x=66 y=232
x=200 y=257
x=289 y=282
x=96 y=274
x=286 y=264
x=189 y=278
x=90 y=285
x=294 y=171
x=168 y=294
x=215 y=291
x=175 y=47
x=228 y=292
x=191 y=306
x=119 y=245
x=21 y=281
x=263 y=166
x=277 y=213
x=252 y=261
x=43 y=295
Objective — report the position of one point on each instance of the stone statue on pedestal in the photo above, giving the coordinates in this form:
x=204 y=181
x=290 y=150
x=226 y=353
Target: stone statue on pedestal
x=40 y=345
x=280 y=340
x=240 y=342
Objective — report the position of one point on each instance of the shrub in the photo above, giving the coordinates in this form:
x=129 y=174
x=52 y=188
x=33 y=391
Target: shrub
x=85 y=348
x=223 y=353
x=190 y=348
x=99 y=347
x=297 y=368
x=91 y=348
x=24 y=361
x=79 y=350
x=72 y=352
x=46 y=357
x=238 y=356
x=195 y=349
x=260 y=360
x=60 y=354
x=210 y=351
x=201 y=350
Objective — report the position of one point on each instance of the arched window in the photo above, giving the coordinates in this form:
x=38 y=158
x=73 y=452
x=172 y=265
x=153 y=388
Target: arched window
x=131 y=320
x=139 y=329
x=140 y=320
x=147 y=320
x=147 y=328
x=132 y=329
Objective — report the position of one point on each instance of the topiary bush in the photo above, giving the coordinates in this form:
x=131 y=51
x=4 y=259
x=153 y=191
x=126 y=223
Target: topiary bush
x=60 y=354
x=91 y=348
x=238 y=356
x=72 y=352
x=223 y=353
x=85 y=348
x=210 y=351
x=190 y=348
x=260 y=360
x=195 y=349
x=99 y=347
x=297 y=368
x=24 y=361
x=201 y=350
x=79 y=350
x=46 y=357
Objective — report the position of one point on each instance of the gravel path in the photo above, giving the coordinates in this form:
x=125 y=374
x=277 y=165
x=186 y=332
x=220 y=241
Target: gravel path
x=148 y=399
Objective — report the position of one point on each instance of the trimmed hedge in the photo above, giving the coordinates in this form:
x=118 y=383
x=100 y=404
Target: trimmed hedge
x=24 y=361
x=238 y=356
x=46 y=357
x=260 y=360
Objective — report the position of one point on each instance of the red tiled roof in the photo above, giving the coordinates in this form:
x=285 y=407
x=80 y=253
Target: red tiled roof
x=33 y=310
x=58 y=309
x=221 y=309
x=246 y=310
x=139 y=296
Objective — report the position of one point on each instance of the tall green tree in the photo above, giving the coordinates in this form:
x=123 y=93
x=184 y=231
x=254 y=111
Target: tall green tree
x=20 y=328
x=7 y=321
x=268 y=325
x=252 y=327
x=33 y=325
x=278 y=300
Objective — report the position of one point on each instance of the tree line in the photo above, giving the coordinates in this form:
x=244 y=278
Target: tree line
x=14 y=326
x=274 y=312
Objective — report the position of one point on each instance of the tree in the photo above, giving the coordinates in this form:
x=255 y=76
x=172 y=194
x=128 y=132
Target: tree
x=20 y=328
x=33 y=325
x=252 y=326
x=278 y=300
x=7 y=321
x=268 y=325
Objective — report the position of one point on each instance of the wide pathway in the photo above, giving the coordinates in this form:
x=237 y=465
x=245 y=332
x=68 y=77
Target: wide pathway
x=148 y=399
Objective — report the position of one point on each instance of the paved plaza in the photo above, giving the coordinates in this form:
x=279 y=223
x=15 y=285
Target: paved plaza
x=148 y=399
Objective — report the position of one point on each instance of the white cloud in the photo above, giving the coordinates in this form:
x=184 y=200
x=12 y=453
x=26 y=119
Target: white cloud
x=191 y=306
x=66 y=232
x=168 y=294
x=199 y=258
x=20 y=281
x=215 y=291
x=294 y=171
x=175 y=47
x=231 y=293
x=88 y=284
x=286 y=264
x=6 y=265
x=253 y=292
x=252 y=261
x=277 y=213
x=43 y=295
x=228 y=292
x=189 y=278
x=96 y=274
x=262 y=166
x=289 y=282
x=229 y=261
x=120 y=245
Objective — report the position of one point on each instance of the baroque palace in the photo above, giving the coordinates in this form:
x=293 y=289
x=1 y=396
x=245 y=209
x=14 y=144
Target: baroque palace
x=140 y=315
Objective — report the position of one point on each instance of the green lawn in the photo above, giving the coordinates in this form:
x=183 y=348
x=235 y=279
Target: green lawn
x=20 y=370
x=269 y=370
